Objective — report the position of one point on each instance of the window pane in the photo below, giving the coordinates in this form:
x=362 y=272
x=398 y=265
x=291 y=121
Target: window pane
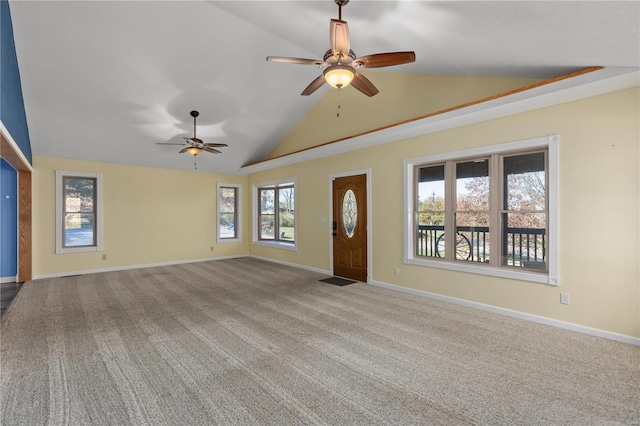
x=79 y=229
x=431 y=192
x=430 y=215
x=525 y=182
x=287 y=233
x=79 y=194
x=472 y=237
x=267 y=226
x=276 y=216
x=227 y=200
x=286 y=214
x=524 y=240
x=79 y=226
x=267 y=199
x=227 y=225
x=472 y=185
x=227 y=212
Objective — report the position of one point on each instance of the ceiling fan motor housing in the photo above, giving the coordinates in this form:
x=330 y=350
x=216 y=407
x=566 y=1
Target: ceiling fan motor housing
x=329 y=55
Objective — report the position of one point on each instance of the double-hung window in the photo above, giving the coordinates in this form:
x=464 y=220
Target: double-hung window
x=229 y=213
x=275 y=216
x=78 y=212
x=489 y=210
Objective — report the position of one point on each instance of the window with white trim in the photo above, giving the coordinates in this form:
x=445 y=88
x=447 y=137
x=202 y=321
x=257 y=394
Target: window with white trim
x=78 y=212
x=229 y=212
x=275 y=213
x=489 y=210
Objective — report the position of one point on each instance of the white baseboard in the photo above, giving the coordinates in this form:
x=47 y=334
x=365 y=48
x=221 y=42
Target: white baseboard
x=9 y=279
x=176 y=262
x=295 y=265
x=516 y=314
x=122 y=268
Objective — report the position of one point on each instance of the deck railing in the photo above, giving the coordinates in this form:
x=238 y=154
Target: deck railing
x=523 y=247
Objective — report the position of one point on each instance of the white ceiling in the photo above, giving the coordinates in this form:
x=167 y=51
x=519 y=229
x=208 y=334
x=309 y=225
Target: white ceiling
x=107 y=80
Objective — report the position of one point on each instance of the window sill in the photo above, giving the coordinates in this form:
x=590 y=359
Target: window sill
x=536 y=277
x=77 y=250
x=277 y=244
x=229 y=240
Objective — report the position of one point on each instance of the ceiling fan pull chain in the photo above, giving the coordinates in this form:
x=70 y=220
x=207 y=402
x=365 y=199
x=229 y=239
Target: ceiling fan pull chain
x=339 y=98
x=195 y=163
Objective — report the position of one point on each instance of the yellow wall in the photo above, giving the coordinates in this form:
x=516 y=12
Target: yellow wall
x=154 y=215
x=402 y=97
x=599 y=212
x=150 y=216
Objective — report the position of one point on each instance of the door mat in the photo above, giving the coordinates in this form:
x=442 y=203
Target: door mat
x=337 y=281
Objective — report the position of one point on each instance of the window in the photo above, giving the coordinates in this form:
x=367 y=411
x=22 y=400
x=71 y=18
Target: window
x=489 y=210
x=275 y=216
x=78 y=215
x=229 y=212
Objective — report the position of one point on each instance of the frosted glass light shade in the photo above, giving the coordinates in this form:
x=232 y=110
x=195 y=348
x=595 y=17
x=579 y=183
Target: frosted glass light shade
x=194 y=151
x=338 y=75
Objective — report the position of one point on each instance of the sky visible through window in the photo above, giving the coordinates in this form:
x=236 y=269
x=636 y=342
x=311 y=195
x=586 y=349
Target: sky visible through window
x=431 y=190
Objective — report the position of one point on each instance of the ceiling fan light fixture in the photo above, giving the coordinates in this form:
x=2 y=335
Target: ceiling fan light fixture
x=339 y=76
x=194 y=150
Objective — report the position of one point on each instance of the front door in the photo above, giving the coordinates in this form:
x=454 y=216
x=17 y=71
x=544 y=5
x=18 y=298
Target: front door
x=350 y=227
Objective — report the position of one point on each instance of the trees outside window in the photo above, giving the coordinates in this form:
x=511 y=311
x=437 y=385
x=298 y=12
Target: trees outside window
x=276 y=218
x=228 y=212
x=79 y=212
x=518 y=210
x=486 y=207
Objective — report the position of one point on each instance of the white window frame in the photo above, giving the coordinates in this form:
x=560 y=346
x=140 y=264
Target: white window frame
x=60 y=175
x=238 y=212
x=547 y=142
x=256 y=206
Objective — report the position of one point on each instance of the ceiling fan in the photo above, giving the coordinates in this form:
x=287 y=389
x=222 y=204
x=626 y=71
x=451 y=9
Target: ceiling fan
x=340 y=62
x=195 y=146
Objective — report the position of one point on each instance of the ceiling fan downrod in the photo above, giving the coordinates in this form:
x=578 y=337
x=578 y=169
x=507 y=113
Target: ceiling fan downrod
x=194 y=114
x=340 y=3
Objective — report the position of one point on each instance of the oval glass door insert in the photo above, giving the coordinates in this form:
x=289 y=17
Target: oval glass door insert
x=349 y=213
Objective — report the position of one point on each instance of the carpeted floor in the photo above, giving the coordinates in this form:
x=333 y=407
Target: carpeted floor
x=248 y=342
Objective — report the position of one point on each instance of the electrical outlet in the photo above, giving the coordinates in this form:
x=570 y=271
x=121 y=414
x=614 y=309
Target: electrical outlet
x=564 y=298
x=396 y=271
x=104 y=257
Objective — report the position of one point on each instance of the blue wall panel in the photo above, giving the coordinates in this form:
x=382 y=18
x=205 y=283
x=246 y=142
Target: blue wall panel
x=12 y=112
x=8 y=220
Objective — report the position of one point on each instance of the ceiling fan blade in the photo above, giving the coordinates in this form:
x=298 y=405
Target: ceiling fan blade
x=315 y=85
x=379 y=60
x=192 y=141
x=215 y=151
x=301 y=61
x=339 y=37
x=363 y=84
x=215 y=144
x=183 y=150
x=168 y=143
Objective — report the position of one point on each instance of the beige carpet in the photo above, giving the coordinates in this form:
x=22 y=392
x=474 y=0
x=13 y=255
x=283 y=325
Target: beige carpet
x=249 y=342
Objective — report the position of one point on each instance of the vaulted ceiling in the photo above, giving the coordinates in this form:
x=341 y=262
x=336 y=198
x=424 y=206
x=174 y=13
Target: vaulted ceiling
x=108 y=80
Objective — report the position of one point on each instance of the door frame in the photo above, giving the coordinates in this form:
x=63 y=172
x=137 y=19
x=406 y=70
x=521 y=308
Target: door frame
x=332 y=176
x=11 y=152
